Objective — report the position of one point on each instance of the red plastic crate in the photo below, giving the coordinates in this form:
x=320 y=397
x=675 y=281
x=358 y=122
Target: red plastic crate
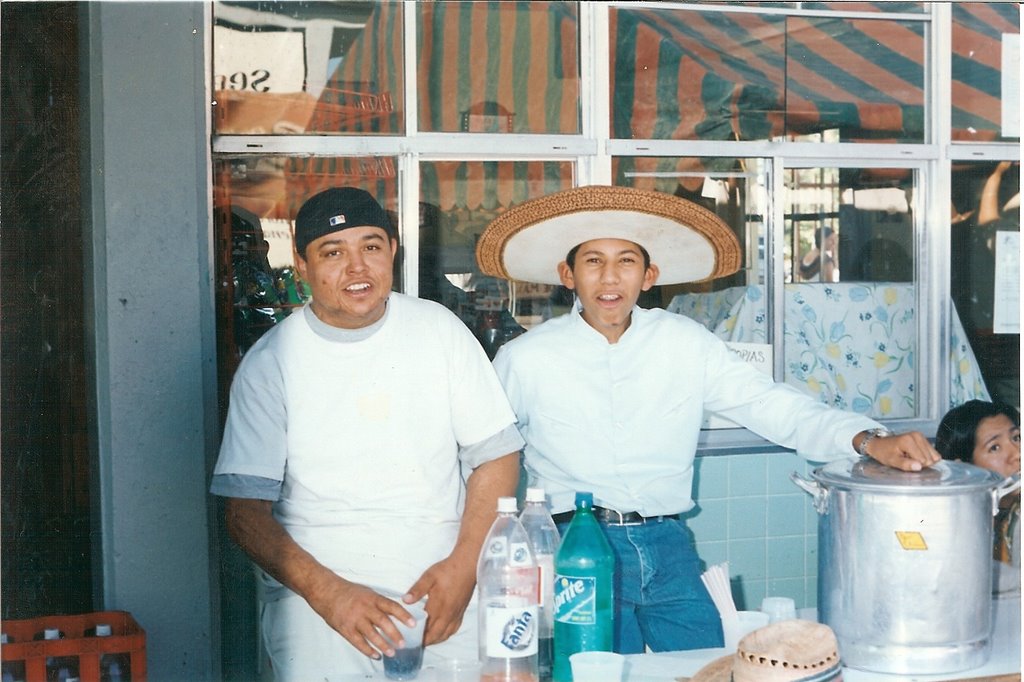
x=126 y=638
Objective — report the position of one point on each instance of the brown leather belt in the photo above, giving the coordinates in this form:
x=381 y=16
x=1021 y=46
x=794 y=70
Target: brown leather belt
x=612 y=517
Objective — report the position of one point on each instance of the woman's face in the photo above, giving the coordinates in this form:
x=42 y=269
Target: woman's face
x=997 y=445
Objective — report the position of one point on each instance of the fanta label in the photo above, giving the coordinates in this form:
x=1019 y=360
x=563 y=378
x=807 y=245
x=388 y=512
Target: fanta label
x=576 y=599
x=511 y=632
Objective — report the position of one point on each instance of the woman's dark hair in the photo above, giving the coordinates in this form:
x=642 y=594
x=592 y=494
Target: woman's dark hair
x=955 y=437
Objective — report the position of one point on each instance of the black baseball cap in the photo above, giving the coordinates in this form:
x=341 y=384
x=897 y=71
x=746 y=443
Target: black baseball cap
x=336 y=209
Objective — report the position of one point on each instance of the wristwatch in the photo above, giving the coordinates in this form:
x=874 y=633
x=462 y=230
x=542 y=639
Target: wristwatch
x=871 y=435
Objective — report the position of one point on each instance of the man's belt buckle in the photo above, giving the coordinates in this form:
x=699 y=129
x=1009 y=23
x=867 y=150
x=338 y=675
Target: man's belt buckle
x=614 y=517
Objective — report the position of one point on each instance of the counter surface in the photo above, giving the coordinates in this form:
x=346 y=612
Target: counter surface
x=679 y=665
x=1005 y=658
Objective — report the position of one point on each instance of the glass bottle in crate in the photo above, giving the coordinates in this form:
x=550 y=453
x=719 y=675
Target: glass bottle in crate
x=114 y=667
x=11 y=671
x=58 y=668
x=508 y=597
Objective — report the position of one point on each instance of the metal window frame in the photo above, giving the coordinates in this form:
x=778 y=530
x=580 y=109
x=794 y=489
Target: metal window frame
x=593 y=149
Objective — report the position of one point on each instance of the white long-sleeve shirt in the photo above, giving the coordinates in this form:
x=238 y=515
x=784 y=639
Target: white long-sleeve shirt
x=622 y=420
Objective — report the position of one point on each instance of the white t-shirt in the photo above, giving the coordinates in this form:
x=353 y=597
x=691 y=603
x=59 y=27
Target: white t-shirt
x=365 y=435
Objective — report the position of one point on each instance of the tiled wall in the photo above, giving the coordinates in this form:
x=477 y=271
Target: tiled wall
x=752 y=515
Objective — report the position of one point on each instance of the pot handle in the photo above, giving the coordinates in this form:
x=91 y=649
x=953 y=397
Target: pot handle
x=1010 y=484
x=814 y=489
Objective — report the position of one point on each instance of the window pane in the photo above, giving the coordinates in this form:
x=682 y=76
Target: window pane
x=886 y=6
x=984 y=258
x=498 y=67
x=685 y=75
x=735 y=190
x=255 y=203
x=457 y=201
x=289 y=68
x=680 y=74
x=861 y=78
x=850 y=320
x=986 y=71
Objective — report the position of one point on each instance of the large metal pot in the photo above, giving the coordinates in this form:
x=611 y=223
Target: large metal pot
x=904 y=563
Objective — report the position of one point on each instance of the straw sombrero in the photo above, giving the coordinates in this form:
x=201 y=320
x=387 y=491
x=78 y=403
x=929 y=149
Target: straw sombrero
x=786 y=651
x=687 y=242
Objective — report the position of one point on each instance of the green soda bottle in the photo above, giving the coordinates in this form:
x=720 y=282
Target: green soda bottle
x=583 y=597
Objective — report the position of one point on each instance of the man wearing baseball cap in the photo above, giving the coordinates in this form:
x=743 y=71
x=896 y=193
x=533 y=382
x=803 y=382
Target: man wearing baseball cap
x=366 y=444
x=610 y=397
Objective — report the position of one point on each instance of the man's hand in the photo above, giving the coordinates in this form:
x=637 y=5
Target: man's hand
x=449 y=583
x=360 y=615
x=909 y=451
x=448 y=586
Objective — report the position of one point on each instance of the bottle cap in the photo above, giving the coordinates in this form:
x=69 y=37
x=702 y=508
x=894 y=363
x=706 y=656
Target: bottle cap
x=507 y=505
x=535 y=495
x=584 y=499
x=103 y=630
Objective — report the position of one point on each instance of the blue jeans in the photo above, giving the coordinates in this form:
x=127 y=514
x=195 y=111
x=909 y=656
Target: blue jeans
x=660 y=600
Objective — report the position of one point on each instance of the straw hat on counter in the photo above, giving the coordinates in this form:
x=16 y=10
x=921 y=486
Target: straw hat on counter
x=686 y=241
x=787 y=651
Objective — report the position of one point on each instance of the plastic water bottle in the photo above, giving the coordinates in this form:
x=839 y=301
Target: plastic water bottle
x=508 y=598
x=583 y=597
x=544 y=539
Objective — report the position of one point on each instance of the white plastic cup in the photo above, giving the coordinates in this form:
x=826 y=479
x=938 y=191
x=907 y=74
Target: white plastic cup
x=744 y=623
x=597 y=666
x=407 y=661
x=779 y=608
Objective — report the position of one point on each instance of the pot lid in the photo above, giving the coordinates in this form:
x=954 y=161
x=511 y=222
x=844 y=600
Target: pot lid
x=945 y=476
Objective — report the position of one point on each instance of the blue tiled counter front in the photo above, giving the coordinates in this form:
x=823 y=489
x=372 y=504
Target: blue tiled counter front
x=752 y=515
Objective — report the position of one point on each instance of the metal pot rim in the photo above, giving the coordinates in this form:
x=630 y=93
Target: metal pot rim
x=946 y=477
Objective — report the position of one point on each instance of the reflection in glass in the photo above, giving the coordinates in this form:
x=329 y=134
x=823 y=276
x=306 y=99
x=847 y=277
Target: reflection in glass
x=292 y=68
x=986 y=71
x=849 y=321
x=848 y=225
x=256 y=199
x=732 y=188
x=718 y=75
x=457 y=201
x=498 y=67
x=886 y=6
x=985 y=216
x=864 y=77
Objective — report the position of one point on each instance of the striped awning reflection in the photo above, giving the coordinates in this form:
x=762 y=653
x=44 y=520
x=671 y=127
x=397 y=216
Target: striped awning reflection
x=685 y=74
x=677 y=74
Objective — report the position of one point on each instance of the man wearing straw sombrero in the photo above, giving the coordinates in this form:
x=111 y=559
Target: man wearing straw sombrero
x=610 y=397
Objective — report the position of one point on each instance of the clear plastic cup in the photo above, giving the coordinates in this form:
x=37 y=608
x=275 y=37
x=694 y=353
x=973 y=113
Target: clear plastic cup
x=452 y=670
x=407 y=661
x=597 y=666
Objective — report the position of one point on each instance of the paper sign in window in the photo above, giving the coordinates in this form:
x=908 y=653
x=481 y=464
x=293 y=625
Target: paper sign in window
x=1010 y=74
x=1006 y=313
